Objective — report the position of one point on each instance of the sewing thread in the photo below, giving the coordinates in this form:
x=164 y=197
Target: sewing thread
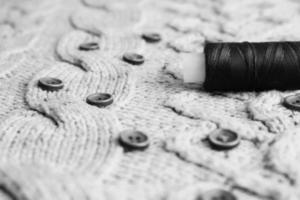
x=252 y=66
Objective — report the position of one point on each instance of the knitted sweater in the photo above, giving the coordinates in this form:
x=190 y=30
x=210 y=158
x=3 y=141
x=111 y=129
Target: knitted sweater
x=56 y=146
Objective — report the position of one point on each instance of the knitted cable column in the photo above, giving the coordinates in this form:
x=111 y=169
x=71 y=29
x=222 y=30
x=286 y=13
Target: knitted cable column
x=116 y=19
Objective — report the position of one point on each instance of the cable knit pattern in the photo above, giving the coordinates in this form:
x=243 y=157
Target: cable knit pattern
x=117 y=20
x=53 y=145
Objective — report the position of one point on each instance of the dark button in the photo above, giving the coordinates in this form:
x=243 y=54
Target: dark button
x=222 y=139
x=133 y=139
x=50 y=84
x=217 y=194
x=89 y=46
x=292 y=102
x=133 y=58
x=100 y=99
x=151 y=37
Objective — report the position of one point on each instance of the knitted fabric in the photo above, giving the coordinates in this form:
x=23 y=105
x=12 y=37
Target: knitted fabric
x=53 y=145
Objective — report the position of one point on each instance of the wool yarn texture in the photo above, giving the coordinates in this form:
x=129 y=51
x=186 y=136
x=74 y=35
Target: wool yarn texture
x=55 y=145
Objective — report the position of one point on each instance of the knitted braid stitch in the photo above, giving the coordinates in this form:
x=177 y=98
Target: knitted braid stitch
x=53 y=145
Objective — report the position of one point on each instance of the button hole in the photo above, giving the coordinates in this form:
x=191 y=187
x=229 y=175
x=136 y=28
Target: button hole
x=138 y=139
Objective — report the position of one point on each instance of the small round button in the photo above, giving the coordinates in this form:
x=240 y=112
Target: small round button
x=222 y=139
x=217 y=194
x=50 y=84
x=133 y=139
x=100 y=99
x=151 y=37
x=292 y=102
x=90 y=46
x=133 y=58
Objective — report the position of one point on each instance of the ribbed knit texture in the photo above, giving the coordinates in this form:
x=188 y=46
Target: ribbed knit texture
x=55 y=146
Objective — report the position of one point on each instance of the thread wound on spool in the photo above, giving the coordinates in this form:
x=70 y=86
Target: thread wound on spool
x=252 y=66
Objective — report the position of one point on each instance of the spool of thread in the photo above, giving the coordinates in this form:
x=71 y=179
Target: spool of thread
x=252 y=66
